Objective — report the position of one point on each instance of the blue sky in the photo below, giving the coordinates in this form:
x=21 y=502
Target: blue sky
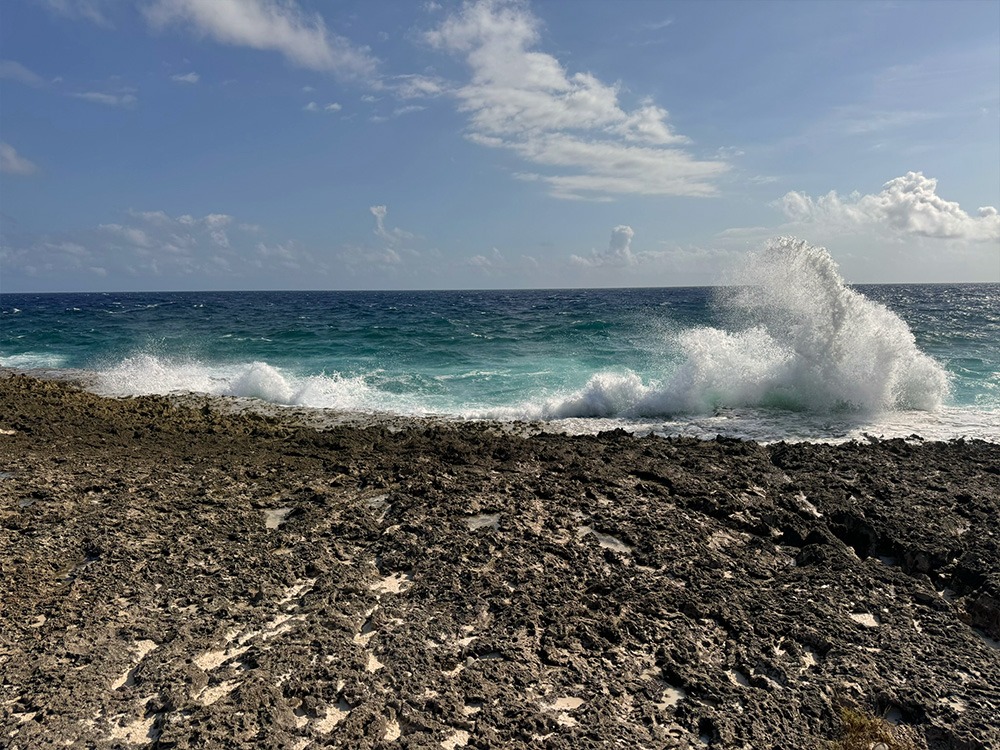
x=258 y=144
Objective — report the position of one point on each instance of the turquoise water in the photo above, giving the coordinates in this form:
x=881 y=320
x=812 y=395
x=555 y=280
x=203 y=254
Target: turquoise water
x=791 y=353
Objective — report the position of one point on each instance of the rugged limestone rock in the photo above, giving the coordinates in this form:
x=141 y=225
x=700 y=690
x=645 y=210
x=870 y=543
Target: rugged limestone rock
x=176 y=577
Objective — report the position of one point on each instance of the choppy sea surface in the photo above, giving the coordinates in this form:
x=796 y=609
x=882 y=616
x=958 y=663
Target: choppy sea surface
x=787 y=351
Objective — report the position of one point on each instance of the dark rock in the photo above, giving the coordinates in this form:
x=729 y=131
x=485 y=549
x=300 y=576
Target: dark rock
x=633 y=592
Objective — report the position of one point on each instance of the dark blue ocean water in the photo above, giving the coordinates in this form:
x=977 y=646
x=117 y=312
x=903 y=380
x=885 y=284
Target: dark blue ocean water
x=794 y=354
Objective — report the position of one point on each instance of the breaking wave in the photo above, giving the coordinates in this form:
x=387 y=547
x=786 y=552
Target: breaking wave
x=794 y=339
x=145 y=374
x=800 y=340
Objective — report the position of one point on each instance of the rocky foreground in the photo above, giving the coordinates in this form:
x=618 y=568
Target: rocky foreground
x=177 y=576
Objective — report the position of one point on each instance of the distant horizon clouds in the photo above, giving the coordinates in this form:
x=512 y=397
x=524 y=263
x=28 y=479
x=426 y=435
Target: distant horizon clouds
x=908 y=204
x=250 y=144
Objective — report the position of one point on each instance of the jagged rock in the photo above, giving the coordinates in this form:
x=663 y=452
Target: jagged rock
x=231 y=580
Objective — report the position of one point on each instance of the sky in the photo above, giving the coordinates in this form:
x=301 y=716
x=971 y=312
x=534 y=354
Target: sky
x=151 y=145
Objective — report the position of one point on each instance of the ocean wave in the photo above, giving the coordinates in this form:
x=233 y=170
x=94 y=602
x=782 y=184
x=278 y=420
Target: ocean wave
x=796 y=339
x=809 y=343
x=144 y=374
x=33 y=361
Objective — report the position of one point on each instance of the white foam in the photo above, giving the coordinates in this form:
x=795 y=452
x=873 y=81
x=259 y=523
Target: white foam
x=144 y=374
x=803 y=342
x=843 y=349
x=799 y=356
x=33 y=361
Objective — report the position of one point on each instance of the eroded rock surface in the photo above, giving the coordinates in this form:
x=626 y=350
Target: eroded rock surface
x=177 y=577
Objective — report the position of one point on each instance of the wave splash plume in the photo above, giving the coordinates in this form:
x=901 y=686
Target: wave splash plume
x=800 y=340
x=786 y=349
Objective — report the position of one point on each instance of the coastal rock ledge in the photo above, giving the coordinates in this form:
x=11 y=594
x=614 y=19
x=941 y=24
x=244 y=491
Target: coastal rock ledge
x=177 y=574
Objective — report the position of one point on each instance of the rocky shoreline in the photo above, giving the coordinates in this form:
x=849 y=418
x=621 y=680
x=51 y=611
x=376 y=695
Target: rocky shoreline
x=177 y=575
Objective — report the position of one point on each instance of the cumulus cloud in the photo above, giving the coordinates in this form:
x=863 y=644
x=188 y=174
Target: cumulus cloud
x=277 y=25
x=574 y=124
x=907 y=205
x=14 y=71
x=619 y=252
x=12 y=162
x=191 y=77
x=906 y=232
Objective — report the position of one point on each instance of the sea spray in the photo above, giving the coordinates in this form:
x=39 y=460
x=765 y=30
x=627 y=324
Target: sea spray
x=787 y=351
x=799 y=339
x=839 y=349
x=149 y=374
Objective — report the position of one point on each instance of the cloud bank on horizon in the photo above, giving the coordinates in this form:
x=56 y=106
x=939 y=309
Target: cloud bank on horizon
x=509 y=139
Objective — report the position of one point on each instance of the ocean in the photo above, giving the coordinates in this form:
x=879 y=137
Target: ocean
x=786 y=350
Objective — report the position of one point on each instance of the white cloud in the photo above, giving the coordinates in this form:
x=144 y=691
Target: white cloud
x=489 y=262
x=331 y=107
x=619 y=252
x=154 y=244
x=191 y=77
x=390 y=257
x=14 y=71
x=620 y=246
x=497 y=266
x=408 y=110
x=904 y=233
x=130 y=235
x=907 y=205
x=111 y=100
x=178 y=236
x=526 y=101
x=47 y=256
x=91 y=10
x=658 y=25
x=365 y=259
x=278 y=25
x=12 y=162
x=419 y=86
x=285 y=255
x=216 y=224
x=154 y=217
x=391 y=237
